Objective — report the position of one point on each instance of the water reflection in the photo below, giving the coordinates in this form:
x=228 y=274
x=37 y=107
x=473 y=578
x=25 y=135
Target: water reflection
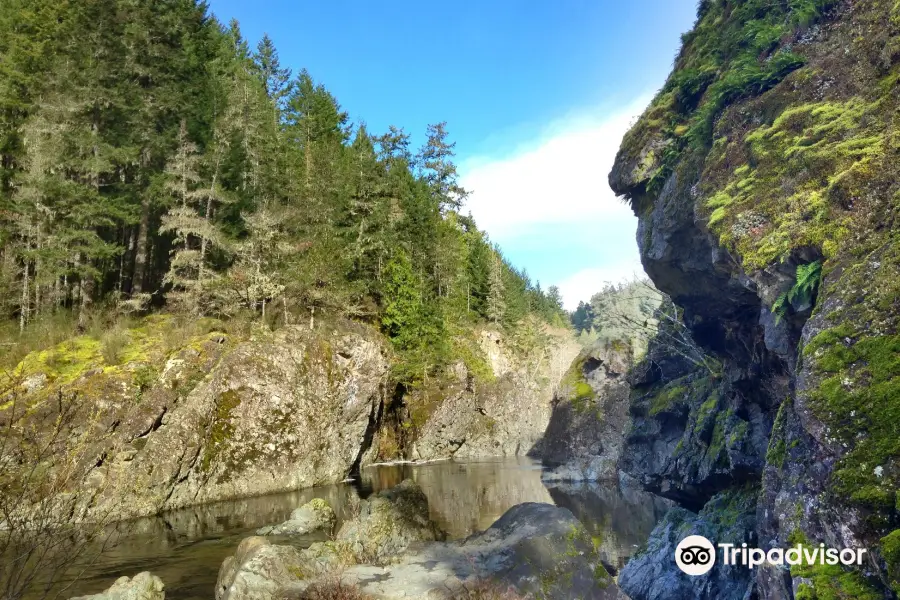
x=465 y=497
x=621 y=518
x=186 y=547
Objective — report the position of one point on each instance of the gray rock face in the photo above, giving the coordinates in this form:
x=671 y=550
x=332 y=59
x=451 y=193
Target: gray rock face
x=312 y=516
x=586 y=433
x=694 y=433
x=653 y=574
x=143 y=586
x=505 y=417
x=532 y=549
x=231 y=418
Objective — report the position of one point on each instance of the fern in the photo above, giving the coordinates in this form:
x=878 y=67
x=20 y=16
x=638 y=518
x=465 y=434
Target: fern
x=808 y=277
x=806 y=283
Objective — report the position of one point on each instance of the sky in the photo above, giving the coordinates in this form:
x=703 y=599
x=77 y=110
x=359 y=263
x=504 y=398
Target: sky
x=536 y=95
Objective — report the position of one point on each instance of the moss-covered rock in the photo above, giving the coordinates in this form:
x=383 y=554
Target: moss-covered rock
x=765 y=178
x=190 y=413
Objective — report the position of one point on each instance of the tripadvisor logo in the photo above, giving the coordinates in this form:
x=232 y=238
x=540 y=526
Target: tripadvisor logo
x=696 y=555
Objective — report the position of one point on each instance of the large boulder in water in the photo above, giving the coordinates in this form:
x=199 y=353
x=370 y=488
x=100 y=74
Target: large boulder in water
x=533 y=549
x=143 y=586
x=312 y=516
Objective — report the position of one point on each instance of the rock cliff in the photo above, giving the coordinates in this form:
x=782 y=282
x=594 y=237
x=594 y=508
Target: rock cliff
x=765 y=179
x=222 y=415
x=167 y=414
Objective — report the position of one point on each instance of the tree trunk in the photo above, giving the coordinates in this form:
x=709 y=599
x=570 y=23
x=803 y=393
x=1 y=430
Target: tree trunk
x=23 y=309
x=141 y=250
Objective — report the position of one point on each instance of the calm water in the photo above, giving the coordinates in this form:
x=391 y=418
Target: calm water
x=186 y=547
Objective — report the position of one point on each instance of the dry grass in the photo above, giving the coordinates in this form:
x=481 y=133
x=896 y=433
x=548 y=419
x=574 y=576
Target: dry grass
x=332 y=589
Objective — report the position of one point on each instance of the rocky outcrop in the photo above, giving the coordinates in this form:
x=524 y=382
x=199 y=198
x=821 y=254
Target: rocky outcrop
x=764 y=177
x=312 y=516
x=585 y=436
x=619 y=516
x=695 y=432
x=532 y=549
x=728 y=518
x=219 y=416
x=143 y=586
x=502 y=409
x=388 y=523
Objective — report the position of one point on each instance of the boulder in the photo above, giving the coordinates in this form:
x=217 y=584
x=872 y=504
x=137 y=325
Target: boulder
x=533 y=549
x=312 y=516
x=727 y=518
x=143 y=586
x=388 y=523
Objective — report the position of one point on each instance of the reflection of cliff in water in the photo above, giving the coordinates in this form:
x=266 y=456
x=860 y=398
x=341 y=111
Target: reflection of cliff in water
x=185 y=547
x=465 y=497
x=619 y=517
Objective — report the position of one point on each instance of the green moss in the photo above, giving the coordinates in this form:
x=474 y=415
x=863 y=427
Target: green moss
x=826 y=150
x=777 y=450
x=830 y=582
x=858 y=389
x=222 y=427
x=64 y=362
x=890 y=550
x=667 y=397
x=736 y=50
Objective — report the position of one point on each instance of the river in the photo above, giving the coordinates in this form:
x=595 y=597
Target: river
x=186 y=547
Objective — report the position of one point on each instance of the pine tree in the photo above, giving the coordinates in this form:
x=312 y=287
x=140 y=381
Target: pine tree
x=190 y=221
x=436 y=163
x=495 y=303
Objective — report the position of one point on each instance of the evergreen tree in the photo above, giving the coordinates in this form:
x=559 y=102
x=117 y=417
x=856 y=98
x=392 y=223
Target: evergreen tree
x=495 y=303
x=436 y=162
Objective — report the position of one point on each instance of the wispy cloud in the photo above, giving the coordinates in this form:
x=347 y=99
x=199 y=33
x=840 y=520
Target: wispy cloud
x=553 y=193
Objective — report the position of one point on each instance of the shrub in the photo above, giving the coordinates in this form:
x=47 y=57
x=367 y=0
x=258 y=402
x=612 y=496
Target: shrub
x=112 y=343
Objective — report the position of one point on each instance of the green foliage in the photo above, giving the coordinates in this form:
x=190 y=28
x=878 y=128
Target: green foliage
x=806 y=284
x=148 y=157
x=830 y=582
x=620 y=312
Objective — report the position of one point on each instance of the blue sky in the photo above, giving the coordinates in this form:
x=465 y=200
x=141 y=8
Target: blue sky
x=536 y=94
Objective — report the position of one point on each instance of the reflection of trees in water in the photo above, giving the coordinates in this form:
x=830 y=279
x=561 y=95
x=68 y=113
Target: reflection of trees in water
x=620 y=517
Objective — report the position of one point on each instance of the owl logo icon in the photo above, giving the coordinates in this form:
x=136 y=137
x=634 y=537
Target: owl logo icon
x=695 y=555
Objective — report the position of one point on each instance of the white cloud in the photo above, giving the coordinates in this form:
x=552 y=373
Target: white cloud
x=556 y=187
x=560 y=178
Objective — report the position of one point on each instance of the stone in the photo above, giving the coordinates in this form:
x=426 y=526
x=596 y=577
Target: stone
x=586 y=433
x=653 y=574
x=388 y=523
x=312 y=516
x=143 y=586
x=532 y=550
